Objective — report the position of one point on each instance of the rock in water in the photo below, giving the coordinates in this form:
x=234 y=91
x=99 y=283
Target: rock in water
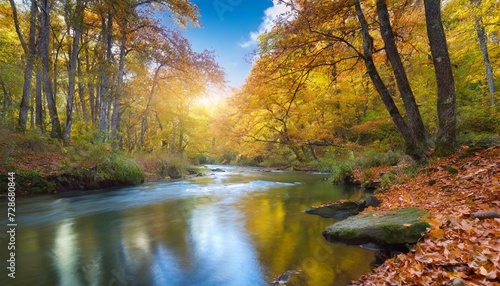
x=381 y=227
x=283 y=279
x=336 y=210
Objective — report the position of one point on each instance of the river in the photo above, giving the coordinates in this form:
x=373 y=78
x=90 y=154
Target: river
x=243 y=226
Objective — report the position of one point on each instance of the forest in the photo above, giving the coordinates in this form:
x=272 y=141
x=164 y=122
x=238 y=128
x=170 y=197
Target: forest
x=109 y=93
x=329 y=82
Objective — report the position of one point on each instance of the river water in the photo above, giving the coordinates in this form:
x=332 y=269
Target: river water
x=243 y=226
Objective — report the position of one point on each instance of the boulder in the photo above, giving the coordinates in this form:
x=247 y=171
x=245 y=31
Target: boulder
x=370 y=201
x=336 y=210
x=383 y=228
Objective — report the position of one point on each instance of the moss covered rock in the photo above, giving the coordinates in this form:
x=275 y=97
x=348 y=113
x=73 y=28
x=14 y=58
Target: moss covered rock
x=381 y=227
x=338 y=210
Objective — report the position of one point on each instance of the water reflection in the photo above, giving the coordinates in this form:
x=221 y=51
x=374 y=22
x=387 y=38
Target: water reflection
x=219 y=242
x=65 y=253
x=234 y=228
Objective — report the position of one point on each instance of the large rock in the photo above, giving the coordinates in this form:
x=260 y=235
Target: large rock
x=381 y=227
x=337 y=210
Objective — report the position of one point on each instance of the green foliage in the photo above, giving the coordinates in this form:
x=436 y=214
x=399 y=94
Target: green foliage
x=411 y=171
x=451 y=170
x=373 y=158
x=172 y=167
x=388 y=179
x=33 y=182
x=99 y=164
x=480 y=139
x=342 y=169
x=478 y=118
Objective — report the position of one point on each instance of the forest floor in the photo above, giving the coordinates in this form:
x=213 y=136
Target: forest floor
x=461 y=247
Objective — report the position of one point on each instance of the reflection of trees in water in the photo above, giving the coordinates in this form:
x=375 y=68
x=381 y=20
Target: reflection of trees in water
x=286 y=239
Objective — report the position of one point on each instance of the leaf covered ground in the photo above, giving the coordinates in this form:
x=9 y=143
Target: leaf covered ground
x=459 y=249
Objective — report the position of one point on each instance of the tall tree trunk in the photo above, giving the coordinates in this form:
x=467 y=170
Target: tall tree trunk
x=81 y=93
x=55 y=69
x=29 y=53
x=414 y=119
x=39 y=113
x=481 y=35
x=404 y=130
x=115 y=119
x=77 y=24
x=446 y=141
x=91 y=87
x=105 y=88
x=47 y=80
x=144 y=120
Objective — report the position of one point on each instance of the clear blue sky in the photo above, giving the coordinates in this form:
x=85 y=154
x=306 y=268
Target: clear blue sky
x=227 y=28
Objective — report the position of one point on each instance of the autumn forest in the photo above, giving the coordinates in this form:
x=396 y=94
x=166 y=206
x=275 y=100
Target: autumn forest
x=328 y=76
x=384 y=105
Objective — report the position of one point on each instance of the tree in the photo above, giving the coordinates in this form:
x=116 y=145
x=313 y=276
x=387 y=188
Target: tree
x=409 y=138
x=45 y=7
x=446 y=141
x=414 y=119
x=325 y=33
x=481 y=36
x=77 y=22
x=29 y=53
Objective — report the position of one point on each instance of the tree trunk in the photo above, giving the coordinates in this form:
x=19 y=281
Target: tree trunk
x=5 y=101
x=47 y=80
x=446 y=141
x=91 y=86
x=414 y=119
x=105 y=88
x=144 y=121
x=410 y=146
x=115 y=119
x=29 y=53
x=39 y=101
x=55 y=62
x=481 y=35
x=81 y=93
x=77 y=23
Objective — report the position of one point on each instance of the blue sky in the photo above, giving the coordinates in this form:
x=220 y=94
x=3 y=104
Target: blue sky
x=230 y=27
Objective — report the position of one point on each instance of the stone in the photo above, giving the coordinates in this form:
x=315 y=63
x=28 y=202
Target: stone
x=370 y=201
x=383 y=228
x=336 y=210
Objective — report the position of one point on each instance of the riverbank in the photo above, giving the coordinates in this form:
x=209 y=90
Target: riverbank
x=462 y=194
x=43 y=165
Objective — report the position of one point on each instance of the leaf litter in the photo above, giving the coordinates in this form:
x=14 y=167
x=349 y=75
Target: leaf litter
x=462 y=246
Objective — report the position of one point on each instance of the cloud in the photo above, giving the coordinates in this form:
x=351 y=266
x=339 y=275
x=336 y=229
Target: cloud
x=270 y=15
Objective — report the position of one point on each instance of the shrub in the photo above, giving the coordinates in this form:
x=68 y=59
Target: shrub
x=169 y=166
x=99 y=164
x=340 y=170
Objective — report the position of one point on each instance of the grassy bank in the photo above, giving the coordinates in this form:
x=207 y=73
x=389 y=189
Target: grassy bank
x=43 y=165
